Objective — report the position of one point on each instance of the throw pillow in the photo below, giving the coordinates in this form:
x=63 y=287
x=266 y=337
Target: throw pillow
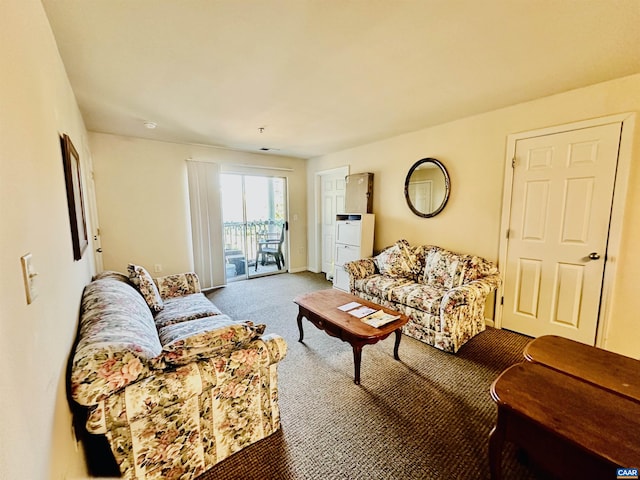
x=444 y=268
x=399 y=260
x=146 y=286
x=203 y=338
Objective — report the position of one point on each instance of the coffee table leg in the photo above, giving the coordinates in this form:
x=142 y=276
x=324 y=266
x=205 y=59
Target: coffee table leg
x=396 y=347
x=300 y=327
x=357 y=357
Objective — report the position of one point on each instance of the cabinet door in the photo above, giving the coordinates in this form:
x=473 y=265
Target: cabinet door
x=341 y=279
x=346 y=253
x=348 y=232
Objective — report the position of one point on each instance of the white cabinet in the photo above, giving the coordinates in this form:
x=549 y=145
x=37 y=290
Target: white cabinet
x=354 y=240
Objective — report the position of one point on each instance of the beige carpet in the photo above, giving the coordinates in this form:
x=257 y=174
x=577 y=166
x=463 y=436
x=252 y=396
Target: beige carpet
x=427 y=416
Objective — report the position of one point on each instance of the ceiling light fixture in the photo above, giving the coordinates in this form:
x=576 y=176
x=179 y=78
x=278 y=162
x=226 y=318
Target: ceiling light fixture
x=150 y=125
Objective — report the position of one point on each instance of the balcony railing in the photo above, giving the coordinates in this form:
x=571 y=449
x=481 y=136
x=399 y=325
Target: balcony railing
x=234 y=236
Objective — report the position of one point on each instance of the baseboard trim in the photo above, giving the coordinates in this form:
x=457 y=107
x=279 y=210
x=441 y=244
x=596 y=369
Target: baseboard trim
x=300 y=269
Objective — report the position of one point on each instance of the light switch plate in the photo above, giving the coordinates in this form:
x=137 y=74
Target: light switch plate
x=29 y=276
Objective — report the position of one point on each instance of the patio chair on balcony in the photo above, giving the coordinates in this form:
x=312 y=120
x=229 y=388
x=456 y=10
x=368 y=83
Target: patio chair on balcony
x=271 y=246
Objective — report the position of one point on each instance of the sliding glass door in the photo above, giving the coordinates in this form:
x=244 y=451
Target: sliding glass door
x=255 y=227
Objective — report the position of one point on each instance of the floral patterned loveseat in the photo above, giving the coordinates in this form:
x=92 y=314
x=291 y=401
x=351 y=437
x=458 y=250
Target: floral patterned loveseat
x=173 y=384
x=443 y=293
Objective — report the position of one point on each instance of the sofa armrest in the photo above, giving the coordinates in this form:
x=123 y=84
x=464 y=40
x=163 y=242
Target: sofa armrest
x=276 y=345
x=99 y=370
x=465 y=294
x=146 y=397
x=359 y=269
x=485 y=285
x=469 y=297
x=178 y=285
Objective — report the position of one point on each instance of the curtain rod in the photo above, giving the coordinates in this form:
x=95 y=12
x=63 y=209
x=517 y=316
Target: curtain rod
x=246 y=165
x=265 y=167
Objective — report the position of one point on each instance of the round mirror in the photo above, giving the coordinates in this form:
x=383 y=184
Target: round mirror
x=426 y=187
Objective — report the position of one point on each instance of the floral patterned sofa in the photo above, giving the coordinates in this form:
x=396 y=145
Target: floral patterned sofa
x=173 y=384
x=443 y=293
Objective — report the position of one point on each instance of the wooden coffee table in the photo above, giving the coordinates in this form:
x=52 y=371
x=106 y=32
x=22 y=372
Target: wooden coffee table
x=321 y=309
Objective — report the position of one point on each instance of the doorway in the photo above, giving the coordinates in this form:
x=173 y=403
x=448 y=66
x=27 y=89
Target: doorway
x=330 y=200
x=561 y=228
x=94 y=223
x=255 y=225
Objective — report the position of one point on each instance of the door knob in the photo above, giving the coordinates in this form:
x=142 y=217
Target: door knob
x=594 y=256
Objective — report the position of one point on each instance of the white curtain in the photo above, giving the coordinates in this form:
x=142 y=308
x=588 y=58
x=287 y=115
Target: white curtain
x=206 y=222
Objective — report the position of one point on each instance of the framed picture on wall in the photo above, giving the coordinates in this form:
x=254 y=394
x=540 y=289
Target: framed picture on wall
x=75 y=198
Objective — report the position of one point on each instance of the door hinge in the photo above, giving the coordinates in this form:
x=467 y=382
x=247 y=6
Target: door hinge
x=508 y=232
x=502 y=301
x=513 y=162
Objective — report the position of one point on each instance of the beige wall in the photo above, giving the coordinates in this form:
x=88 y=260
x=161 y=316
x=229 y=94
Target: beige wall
x=473 y=149
x=143 y=202
x=37 y=105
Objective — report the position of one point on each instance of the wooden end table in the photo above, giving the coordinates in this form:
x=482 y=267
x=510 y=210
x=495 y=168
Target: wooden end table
x=608 y=370
x=321 y=309
x=570 y=427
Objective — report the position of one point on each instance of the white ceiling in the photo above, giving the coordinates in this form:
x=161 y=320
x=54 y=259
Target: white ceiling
x=325 y=75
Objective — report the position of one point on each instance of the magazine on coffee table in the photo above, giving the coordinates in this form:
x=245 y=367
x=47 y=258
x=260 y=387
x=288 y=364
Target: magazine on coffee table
x=349 y=306
x=361 y=311
x=370 y=316
x=379 y=318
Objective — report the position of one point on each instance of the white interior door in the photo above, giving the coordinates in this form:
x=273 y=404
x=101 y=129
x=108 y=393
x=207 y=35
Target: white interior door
x=332 y=195
x=561 y=201
x=95 y=225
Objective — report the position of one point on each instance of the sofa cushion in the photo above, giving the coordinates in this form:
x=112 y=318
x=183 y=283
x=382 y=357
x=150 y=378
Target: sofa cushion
x=202 y=338
x=399 y=260
x=182 y=309
x=379 y=285
x=426 y=298
x=444 y=268
x=145 y=284
x=117 y=339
